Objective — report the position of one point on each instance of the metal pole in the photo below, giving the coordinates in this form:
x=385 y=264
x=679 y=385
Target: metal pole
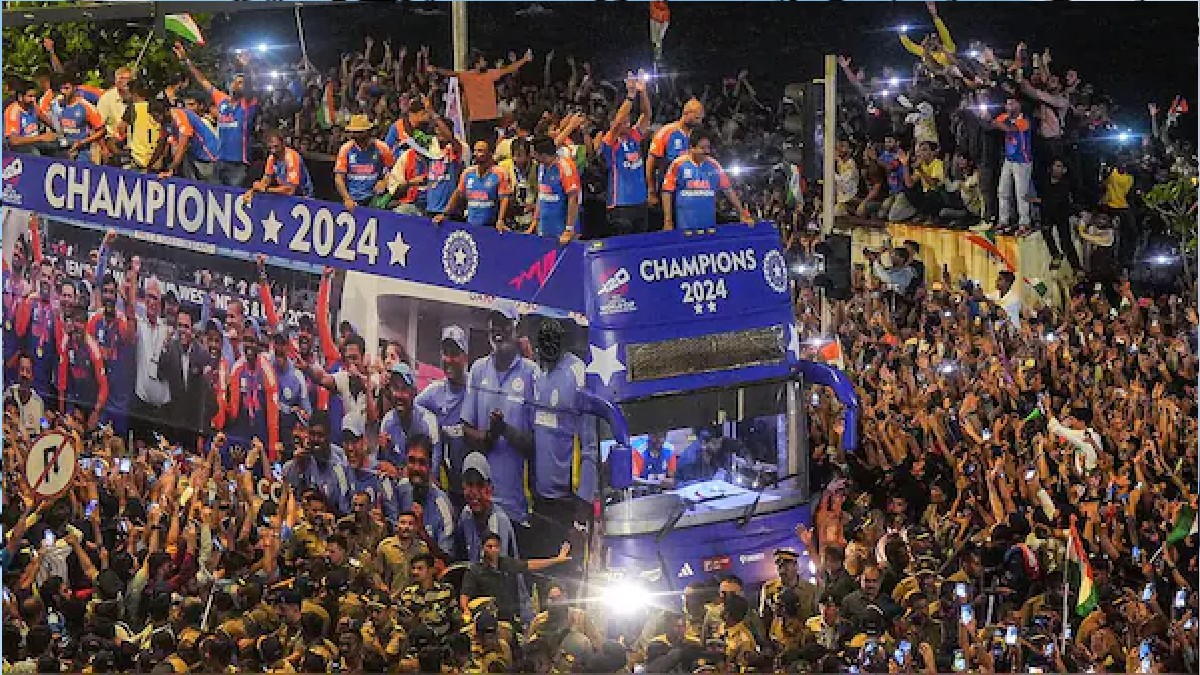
x=829 y=174
x=458 y=17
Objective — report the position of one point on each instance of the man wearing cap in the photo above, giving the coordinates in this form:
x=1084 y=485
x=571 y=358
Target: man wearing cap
x=405 y=419
x=253 y=397
x=360 y=171
x=480 y=516
x=787 y=562
x=358 y=474
x=444 y=398
x=494 y=410
x=295 y=406
x=417 y=494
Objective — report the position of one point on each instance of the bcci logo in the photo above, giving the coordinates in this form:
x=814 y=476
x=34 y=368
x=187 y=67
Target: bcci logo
x=12 y=175
x=612 y=293
x=460 y=257
x=775 y=271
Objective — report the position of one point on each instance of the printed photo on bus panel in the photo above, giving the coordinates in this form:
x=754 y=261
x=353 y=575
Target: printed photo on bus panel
x=72 y=345
x=508 y=370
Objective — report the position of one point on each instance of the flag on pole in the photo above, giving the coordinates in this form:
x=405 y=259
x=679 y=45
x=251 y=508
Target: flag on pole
x=327 y=113
x=795 y=186
x=1088 y=596
x=1185 y=525
x=987 y=242
x=660 y=19
x=454 y=111
x=185 y=27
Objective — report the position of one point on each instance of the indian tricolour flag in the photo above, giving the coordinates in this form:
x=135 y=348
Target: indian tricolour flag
x=185 y=27
x=795 y=186
x=326 y=112
x=1088 y=596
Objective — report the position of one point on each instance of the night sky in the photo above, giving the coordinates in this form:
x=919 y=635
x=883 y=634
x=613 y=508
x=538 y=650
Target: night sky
x=1134 y=51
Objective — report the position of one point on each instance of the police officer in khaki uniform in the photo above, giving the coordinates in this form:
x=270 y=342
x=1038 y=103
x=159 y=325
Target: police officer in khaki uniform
x=787 y=562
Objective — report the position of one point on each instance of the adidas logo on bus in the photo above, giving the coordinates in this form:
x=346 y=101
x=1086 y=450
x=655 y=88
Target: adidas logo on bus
x=686 y=571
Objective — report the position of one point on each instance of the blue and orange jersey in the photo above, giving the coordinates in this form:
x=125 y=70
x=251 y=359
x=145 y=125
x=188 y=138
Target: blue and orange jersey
x=646 y=465
x=253 y=402
x=626 y=168
x=82 y=379
x=397 y=134
x=20 y=122
x=79 y=120
x=669 y=144
x=363 y=167
x=46 y=101
x=235 y=121
x=443 y=178
x=483 y=193
x=89 y=93
x=695 y=189
x=288 y=168
x=204 y=144
x=556 y=183
x=1018 y=146
x=414 y=167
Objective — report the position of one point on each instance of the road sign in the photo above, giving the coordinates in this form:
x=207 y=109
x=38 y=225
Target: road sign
x=51 y=465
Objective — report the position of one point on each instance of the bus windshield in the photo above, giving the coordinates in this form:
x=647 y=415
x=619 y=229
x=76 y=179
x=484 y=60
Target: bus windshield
x=703 y=457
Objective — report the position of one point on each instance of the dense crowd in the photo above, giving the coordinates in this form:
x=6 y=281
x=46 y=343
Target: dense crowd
x=974 y=138
x=259 y=495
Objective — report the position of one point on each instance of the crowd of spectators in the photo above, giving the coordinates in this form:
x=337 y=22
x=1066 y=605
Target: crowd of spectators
x=971 y=137
x=1005 y=447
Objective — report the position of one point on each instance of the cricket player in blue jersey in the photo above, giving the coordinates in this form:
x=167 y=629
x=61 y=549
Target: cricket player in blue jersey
x=498 y=389
x=415 y=493
x=564 y=474
x=444 y=398
x=317 y=464
x=405 y=419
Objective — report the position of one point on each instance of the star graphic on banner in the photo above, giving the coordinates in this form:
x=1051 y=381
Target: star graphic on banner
x=460 y=257
x=605 y=363
x=271 y=228
x=399 y=250
x=794 y=340
x=712 y=307
x=699 y=308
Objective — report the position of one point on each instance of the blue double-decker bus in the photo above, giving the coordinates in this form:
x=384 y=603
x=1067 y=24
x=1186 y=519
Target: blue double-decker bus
x=677 y=429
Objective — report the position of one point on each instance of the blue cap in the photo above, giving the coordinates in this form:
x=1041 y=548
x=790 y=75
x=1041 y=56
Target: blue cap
x=405 y=373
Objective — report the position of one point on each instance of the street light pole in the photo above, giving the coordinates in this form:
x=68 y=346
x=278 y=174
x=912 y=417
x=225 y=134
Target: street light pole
x=458 y=17
x=829 y=174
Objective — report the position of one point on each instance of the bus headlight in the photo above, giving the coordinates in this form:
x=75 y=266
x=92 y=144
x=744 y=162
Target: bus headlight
x=624 y=597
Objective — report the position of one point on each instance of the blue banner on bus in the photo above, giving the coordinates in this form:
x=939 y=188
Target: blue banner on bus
x=528 y=269
x=703 y=276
